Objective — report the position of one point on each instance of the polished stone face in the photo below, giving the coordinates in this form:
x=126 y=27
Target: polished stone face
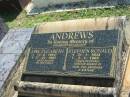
x=84 y=53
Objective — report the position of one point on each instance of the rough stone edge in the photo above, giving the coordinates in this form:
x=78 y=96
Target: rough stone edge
x=127 y=30
x=88 y=24
x=122 y=91
x=14 y=76
x=41 y=89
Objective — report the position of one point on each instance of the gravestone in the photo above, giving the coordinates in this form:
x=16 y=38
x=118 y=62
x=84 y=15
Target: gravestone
x=40 y=6
x=77 y=52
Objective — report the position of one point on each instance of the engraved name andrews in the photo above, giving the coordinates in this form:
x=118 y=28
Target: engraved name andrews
x=81 y=53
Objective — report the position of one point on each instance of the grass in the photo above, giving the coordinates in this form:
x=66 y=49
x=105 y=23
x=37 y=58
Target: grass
x=15 y=20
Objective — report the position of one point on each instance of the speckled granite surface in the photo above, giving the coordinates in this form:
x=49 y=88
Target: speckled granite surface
x=11 y=48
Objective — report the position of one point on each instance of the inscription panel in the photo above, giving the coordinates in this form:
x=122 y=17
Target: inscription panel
x=84 y=53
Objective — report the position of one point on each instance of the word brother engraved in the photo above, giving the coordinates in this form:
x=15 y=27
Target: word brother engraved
x=75 y=52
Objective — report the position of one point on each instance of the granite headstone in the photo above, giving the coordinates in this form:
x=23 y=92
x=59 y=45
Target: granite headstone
x=82 y=53
x=75 y=58
x=75 y=54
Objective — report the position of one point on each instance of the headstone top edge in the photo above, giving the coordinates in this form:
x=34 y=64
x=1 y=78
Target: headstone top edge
x=73 y=31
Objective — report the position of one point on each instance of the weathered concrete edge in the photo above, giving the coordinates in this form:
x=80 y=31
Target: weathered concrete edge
x=49 y=89
x=88 y=24
x=124 y=92
x=127 y=30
